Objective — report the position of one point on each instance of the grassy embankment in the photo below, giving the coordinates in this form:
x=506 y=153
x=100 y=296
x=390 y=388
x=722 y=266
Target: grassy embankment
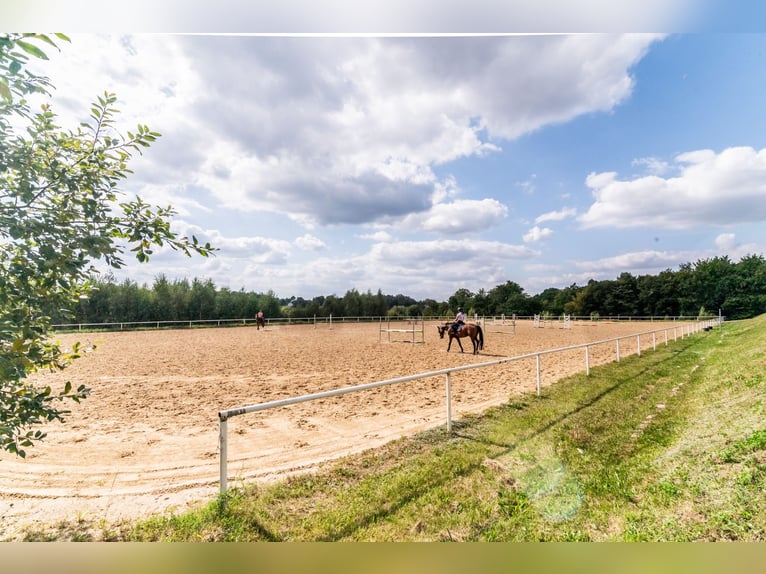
x=667 y=446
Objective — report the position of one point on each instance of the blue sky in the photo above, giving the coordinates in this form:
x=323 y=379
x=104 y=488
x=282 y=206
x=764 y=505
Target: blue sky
x=421 y=165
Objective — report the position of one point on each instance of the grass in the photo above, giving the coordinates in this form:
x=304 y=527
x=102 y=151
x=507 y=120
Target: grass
x=669 y=446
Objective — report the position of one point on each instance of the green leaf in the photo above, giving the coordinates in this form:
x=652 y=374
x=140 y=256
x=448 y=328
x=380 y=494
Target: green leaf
x=47 y=40
x=32 y=49
x=5 y=92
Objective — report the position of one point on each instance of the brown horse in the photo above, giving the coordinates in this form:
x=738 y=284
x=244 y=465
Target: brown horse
x=468 y=330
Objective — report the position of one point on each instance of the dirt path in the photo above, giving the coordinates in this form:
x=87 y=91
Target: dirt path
x=146 y=440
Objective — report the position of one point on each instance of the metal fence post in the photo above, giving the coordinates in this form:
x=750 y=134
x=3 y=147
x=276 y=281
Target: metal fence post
x=224 y=455
x=537 y=357
x=449 y=403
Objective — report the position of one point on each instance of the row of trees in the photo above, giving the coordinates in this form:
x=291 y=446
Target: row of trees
x=737 y=289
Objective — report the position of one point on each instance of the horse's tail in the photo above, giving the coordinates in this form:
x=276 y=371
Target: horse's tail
x=481 y=336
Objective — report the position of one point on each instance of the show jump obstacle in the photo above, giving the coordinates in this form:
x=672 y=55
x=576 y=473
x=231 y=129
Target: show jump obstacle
x=415 y=331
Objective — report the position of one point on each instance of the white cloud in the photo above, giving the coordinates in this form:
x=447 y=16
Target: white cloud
x=376 y=236
x=726 y=241
x=339 y=130
x=537 y=234
x=429 y=268
x=727 y=244
x=308 y=242
x=647 y=262
x=256 y=249
x=712 y=189
x=556 y=215
x=460 y=216
x=637 y=261
x=653 y=165
x=343 y=17
x=528 y=186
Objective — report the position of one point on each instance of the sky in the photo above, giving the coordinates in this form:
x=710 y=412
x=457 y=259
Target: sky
x=420 y=164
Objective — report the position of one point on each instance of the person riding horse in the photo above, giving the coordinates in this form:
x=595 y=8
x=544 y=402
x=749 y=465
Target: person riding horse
x=459 y=321
x=471 y=330
x=259 y=321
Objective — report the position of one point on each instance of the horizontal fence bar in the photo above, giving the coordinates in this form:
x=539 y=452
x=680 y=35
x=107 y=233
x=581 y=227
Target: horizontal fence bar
x=187 y=323
x=225 y=415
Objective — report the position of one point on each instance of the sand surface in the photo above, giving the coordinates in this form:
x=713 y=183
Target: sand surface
x=146 y=441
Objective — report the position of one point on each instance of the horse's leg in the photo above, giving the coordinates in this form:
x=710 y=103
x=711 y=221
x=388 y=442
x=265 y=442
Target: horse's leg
x=450 y=343
x=461 y=344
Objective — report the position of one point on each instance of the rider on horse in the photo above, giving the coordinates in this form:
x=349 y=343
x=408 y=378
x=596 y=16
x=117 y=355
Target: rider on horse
x=459 y=321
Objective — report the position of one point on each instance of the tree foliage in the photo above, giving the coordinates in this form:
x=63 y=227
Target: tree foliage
x=738 y=289
x=60 y=211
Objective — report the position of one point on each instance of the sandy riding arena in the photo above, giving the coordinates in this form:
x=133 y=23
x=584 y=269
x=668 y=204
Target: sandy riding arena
x=146 y=440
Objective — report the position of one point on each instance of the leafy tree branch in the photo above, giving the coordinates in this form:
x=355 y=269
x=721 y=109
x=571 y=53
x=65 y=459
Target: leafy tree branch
x=61 y=210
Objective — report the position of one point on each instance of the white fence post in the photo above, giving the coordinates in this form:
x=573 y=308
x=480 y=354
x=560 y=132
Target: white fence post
x=537 y=357
x=449 y=403
x=224 y=453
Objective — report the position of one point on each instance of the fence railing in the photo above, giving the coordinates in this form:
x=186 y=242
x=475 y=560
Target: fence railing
x=685 y=329
x=330 y=320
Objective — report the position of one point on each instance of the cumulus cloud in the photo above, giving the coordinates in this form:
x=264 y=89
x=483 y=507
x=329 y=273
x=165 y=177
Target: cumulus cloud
x=428 y=268
x=711 y=189
x=536 y=234
x=728 y=244
x=646 y=262
x=310 y=243
x=376 y=236
x=460 y=216
x=556 y=215
x=637 y=261
x=256 y=249
x=726 y=241
x=341 y=130
x=653 y=165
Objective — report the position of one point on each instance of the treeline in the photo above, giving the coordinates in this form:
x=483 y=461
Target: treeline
x=737 y=289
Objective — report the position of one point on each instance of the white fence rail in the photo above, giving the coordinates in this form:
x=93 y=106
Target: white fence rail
x=684 y=330
x=329 y=320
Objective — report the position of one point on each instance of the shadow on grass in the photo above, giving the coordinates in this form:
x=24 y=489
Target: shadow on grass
x=540 y=430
